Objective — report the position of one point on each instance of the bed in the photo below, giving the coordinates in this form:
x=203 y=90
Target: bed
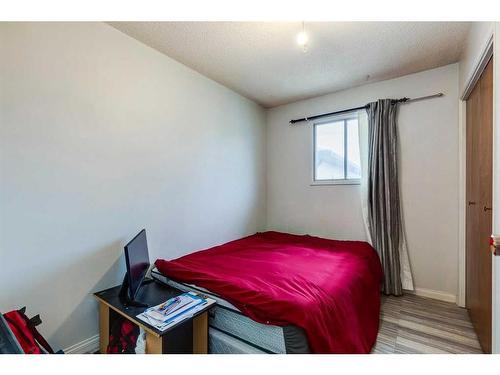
x=284 y=293
x=232 y=332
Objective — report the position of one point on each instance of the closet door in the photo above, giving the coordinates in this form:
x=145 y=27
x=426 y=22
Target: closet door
x=479 y=201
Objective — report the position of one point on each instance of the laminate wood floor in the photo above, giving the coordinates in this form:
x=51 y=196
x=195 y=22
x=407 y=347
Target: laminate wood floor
x=412 y=324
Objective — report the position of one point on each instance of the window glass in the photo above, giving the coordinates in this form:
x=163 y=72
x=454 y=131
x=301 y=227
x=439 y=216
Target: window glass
x=353 y=156
x=329 y=155
x=336 y=150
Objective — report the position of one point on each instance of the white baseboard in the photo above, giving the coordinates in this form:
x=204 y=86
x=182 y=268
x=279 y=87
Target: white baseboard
x=87 y=346
x=434 y=294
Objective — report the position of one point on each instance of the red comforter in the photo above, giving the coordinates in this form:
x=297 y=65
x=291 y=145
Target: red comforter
x=329 y=288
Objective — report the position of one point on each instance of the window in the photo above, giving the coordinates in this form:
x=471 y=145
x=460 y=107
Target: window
x=336 y=151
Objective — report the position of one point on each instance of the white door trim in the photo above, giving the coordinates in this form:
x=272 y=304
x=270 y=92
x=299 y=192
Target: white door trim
x=462 y=188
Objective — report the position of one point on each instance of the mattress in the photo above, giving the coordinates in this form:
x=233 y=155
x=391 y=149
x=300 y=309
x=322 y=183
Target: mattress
x=230 y=331
x=221 y=343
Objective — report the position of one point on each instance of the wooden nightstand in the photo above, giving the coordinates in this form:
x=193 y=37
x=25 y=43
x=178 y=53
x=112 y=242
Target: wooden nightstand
x=188 y=336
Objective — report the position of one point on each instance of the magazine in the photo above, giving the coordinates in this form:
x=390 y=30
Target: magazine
x=173 y=311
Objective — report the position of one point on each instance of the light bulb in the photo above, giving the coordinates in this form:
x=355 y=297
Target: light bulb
x=302 y=39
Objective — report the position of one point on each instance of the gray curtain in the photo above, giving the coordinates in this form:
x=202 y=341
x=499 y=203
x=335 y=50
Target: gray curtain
x=385 y=219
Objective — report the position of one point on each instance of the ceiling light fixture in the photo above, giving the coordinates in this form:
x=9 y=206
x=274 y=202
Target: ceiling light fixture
x=303 y=38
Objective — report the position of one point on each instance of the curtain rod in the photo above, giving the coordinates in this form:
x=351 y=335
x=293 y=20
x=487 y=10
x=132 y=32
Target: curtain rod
x=402 y=100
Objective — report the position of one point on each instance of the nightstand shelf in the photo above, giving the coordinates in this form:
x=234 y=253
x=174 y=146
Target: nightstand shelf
x=189 y=336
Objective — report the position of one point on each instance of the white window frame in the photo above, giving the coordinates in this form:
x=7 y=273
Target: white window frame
x=341 y=181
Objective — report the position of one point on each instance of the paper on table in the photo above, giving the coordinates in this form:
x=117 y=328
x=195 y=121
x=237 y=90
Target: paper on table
x=163 y=315
x=179 y=318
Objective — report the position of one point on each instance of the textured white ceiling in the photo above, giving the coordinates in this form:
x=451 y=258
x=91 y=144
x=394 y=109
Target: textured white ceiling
x=262 y=61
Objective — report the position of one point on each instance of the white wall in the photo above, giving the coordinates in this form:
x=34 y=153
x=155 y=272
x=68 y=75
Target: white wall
x=475 y=44
x=429 y=174
x=101 y=136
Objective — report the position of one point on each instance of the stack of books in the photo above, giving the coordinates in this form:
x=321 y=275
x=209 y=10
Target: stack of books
x=173 y=311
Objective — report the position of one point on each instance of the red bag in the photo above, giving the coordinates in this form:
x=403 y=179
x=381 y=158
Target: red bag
x=123 y=337
x=27 y=335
